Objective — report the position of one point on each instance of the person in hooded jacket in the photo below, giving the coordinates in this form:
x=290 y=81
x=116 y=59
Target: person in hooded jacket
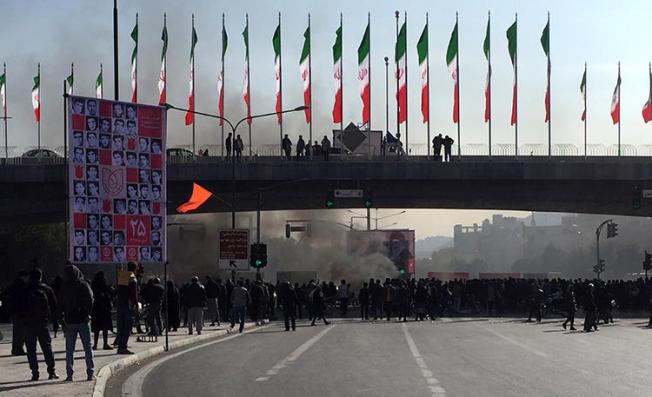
x=101 y=314
x=75 y=306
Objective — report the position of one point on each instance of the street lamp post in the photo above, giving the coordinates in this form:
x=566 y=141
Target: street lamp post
x=233 y=130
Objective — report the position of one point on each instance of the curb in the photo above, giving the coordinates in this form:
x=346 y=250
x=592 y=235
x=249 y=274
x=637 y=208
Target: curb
x=106 y=372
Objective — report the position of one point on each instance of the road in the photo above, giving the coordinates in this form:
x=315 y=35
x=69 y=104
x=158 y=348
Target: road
x=453 y=357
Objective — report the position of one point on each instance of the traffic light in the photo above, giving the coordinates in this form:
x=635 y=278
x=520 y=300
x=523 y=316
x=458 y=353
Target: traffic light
x=367 y=200
x=647 y=263
x=401 y=271
x=599 y=267
x=612 y=230
x=330 y=199
x=637 y=195
x=258 y=258
x=288 y=229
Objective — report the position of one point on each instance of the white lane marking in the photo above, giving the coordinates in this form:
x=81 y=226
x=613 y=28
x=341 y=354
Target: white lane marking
x=514 y=342
x=293 y=356
x=133 y=386
x=433 y=384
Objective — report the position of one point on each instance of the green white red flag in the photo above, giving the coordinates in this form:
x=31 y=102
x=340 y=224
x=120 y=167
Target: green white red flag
x=220 y=77
x=615 y=101
x=545 y=43
x=647 y=109
x=401 y=73
x=583 y=91
x=363 y=75
x=134 y=64
x=276 y=43
x=337 y=76
x=99 y=92
x=511 y=47
x=245 y=88
x=453 y=67
x=162 y=77
x=190 y=116
x=422 y=51
x=70 y=80
x=3 y=92
x=486 y=48
x=36 y=95
x=304 y=70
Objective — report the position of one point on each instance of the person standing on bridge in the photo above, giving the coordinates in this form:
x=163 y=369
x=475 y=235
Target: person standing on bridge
x=436 y=146
x=227 y=143
x=239 y=303
x=448 y=144
x=286 y=144
x=238 y=147
x=325 y=147
x=301 y=145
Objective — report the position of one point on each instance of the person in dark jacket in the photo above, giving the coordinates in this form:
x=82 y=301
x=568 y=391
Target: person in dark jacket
x=257 y=302
x=590 y=308
x=127 y=303
x=363 y=299
x=196 y=300
x=16 y=295
x=288 y=297
x=101 y=314
x=154 y=300
x=56 y=287
x=76 y=304
x=318 y=306
x=173 y=307
x=39 y=303
x=377 y=297
x=212 y=297
x=570 y=304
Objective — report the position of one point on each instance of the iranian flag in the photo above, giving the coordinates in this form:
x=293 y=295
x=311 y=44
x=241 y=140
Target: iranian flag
x=451 y=61
x=245 y=87
x=583 y=91
x=3 y=93
x=422 y=50
x=304 y=69
x=647 y=109
x=220 y=77
x=545 y=43
x=162 y=77
x=486 y=48
x=36 y=96
x=98 y=85
x=71 y=81
x=511 y=46
x=190 y=116
x=276 y=43
x=363 y=75
x=337 y=76
x=401 y=73
x=615 y=101
x=134 y=64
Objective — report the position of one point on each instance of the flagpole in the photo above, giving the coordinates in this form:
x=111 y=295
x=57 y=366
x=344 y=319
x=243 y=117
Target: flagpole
x=116 y=78
x=489 y=78
x=221 y=98
x=310 y=77
x=249 y=95
x=39 y=107
x=619 y=106
x=586 y=86
x=398 y=111
x=65 y=156
x=369 y=110
x=194 y=150
x=549 y=95
x=516 y=86
x=280 y=79
x=457 y=81
x=4 y=111
x=428 y=80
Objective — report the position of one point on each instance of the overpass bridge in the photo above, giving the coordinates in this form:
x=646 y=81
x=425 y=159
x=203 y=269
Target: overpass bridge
x=35 y=192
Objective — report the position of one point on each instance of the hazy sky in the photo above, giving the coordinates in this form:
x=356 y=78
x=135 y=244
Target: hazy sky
x=600 y=32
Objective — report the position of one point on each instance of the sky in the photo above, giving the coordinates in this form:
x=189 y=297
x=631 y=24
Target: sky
x=594 y=31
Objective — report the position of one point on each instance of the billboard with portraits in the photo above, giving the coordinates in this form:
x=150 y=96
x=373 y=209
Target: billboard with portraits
x=117 y=181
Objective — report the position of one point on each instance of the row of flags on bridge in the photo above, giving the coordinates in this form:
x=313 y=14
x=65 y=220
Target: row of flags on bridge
x=364 y=74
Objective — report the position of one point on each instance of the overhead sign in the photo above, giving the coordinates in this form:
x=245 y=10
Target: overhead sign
x=647 y=193
x=348 y=193
x=117 y=183
x=233 y=249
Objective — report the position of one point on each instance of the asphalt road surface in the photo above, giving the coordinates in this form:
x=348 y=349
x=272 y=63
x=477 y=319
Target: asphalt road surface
x=453 y=357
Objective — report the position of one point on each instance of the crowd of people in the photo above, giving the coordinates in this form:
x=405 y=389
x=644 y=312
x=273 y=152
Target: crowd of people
x=147 y=307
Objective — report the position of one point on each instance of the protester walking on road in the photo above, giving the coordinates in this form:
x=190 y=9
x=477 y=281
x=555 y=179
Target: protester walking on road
x=101 y=314
x=76 y=304
x=288 y=298
x=172 y=307
x=318 y=306
x=363 y=299
x=239 y=303
x=569 y=302
x=16 y=300
x=153 y=296
x=40 y=304
x=196 y=299
x=212 y=300
x=343 y=297
x=127 y=304
x=588 y=304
